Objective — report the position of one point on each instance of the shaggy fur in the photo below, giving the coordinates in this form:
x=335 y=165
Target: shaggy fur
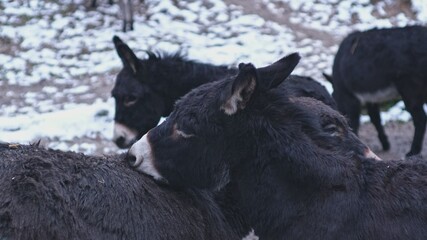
x=295 y=168
x=47 y=194
x=145 y=90
x=378 y=65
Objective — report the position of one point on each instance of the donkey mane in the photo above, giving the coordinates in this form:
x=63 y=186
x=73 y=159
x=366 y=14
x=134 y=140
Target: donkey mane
x=159 y=55
x=146 y=89
x=175 y=67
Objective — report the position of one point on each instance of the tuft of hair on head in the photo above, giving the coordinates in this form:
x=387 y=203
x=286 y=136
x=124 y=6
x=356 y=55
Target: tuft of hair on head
x=152 y=55
x=36 y=143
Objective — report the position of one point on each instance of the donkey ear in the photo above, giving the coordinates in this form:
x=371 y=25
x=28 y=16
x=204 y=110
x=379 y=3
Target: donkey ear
x=274 y=74
x=127 y=56
x=240 y=90
x=117 y=41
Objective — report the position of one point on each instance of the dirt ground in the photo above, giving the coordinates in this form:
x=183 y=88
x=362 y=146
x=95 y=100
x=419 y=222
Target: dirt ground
x=400 y=134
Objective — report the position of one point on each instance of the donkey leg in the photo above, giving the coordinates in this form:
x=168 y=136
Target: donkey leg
x=352 y=111
x=93 y=4
x=420 y=119
x=374 y=115
x=130 y=14
x=126 y=14
x=124 y=26
x=123 y=13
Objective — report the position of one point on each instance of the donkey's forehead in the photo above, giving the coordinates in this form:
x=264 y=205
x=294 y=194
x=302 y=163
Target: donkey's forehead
x=317 y=108
x=128 y=84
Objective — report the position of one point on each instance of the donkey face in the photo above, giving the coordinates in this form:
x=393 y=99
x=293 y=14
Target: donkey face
x=196 y=134
x=138 y=106
x=195 y=124
x=219 y=128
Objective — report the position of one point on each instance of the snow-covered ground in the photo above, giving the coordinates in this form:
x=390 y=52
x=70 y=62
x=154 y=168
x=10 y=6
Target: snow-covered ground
x=58 y=61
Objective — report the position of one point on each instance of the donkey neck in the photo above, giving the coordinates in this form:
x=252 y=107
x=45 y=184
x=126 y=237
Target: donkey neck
x=272 y=202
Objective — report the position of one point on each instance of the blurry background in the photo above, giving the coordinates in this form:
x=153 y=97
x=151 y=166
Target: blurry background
x=58 y=62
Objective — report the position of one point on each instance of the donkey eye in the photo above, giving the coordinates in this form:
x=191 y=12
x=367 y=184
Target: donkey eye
x=332 y=129
x=183 y=134
x=129 y=101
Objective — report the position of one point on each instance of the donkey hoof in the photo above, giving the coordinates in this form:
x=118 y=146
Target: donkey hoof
x=412 y=153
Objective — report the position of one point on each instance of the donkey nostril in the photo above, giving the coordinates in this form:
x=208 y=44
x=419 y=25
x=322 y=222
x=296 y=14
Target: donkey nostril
x=120 y=142
x=131 y=159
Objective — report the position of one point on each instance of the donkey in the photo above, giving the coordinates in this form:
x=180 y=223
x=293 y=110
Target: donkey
x=93 y=3
x=126 y=12
x=49 y=194
x=292 y=166
x=145 y=90
x=380 y=65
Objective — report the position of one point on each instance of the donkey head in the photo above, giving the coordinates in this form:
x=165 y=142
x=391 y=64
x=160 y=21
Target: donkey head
x=244 y=124
x=195 y=135
x=139 y=106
